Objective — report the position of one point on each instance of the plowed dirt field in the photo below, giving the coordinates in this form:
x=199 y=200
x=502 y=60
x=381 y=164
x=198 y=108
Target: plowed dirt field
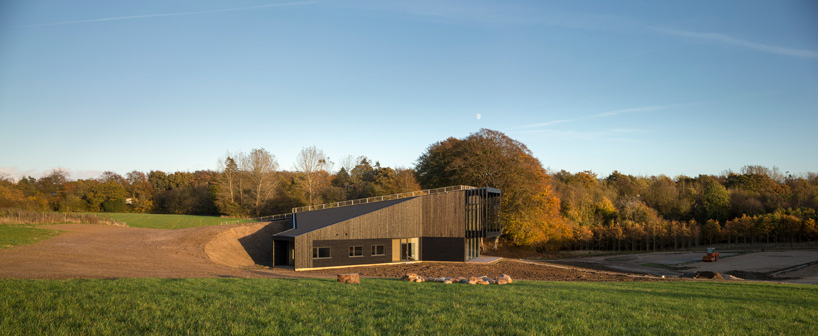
x=97 y=251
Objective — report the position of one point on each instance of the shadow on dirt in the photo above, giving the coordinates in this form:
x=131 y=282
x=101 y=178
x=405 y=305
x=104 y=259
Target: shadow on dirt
x=259 y=245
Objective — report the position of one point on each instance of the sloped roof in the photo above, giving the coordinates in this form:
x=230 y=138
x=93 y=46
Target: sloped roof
x=313 y=220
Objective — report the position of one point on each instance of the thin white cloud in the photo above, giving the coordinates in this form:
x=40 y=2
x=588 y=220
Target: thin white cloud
x=599 y=115
x=631 y=110
x=517 y=15
x=627 y=131
x=17 y=173
x=727 y=39
x=550 y=123
x=134 y=17
x=608 y=135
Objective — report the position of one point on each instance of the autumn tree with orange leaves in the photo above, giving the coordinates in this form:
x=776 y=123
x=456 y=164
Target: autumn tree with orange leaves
x=488 y=158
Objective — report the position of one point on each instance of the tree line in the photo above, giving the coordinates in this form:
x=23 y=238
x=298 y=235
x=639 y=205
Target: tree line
x=245 y=185
x=542 y=209
x=756 y=204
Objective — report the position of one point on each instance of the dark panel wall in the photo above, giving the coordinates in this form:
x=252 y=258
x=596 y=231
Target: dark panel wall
x=340 y=252
x=443 y=249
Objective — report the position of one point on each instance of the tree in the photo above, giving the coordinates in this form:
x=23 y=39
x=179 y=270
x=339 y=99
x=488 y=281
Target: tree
x=229 y=196
x=311 y=161
x=715 y=201
x=140 y=190
x=108 y=196
x=711 y=230
x=261 y=167
x=531 y=213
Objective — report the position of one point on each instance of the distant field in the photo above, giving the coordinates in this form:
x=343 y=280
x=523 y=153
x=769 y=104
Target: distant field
x=380 y=306
x=19 y=234
x=156 y=221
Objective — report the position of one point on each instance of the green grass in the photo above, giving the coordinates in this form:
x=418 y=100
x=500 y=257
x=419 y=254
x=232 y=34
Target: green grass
x=18 y=234
x=379 y=306
x=156 y=221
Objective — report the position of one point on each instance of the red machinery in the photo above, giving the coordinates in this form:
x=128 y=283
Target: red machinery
x=712 y=255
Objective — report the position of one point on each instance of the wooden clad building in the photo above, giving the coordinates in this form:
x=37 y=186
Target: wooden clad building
x=443 y=224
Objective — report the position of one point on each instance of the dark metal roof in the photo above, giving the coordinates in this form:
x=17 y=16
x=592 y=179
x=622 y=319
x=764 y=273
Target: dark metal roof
x=313 y=220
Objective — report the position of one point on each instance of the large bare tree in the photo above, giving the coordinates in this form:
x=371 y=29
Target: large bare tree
x=261 y=168
x=229 y=180
x=311 y=161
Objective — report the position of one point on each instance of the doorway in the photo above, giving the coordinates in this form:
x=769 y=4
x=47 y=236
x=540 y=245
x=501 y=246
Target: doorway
x=409 y=249
x=284 y=253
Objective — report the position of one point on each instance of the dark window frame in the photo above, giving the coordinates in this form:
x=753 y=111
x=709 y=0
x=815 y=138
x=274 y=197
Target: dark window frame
x=375 y=249
x=356 y=251
x=316 y=252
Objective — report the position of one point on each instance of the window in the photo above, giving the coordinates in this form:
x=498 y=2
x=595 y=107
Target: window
x=356 y=251
x=321 y=253
x=377 y=250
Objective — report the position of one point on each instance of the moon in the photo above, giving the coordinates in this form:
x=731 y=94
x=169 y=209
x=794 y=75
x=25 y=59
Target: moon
x=479 y=116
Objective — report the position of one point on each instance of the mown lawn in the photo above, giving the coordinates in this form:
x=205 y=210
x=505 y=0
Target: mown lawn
x=380 y=306
x=20 y=234
x=161 y=221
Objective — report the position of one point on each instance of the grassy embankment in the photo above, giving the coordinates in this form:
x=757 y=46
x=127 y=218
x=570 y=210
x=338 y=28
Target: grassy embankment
x=20 y=227
x=17 y=234
x=160 y=221
x=378 y=306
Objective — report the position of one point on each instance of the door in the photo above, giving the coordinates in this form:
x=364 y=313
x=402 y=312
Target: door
x=409 y=249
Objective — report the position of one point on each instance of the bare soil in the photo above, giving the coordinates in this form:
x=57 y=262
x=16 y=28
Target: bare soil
x=517 y=269
x=97 y=251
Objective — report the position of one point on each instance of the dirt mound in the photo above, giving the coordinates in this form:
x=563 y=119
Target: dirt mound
x=244 y=246
x=515 y=268
x=97 y=251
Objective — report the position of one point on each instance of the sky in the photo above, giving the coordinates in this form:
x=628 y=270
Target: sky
x=641 y=87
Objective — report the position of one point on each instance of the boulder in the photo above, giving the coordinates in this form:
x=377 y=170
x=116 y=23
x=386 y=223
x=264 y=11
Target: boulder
x=708 y=275
x=474 y=280
x=731 y=277
x=503 y=279
x=349 y=278
x=409 y=277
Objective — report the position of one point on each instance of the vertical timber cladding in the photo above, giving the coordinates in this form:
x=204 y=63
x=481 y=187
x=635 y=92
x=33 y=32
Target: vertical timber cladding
x=444 y=215
x=402 y=220
x=483 y=213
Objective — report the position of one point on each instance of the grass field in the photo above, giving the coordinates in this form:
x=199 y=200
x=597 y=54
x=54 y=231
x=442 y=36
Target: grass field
x=19 y=234
x=379 y=306
x=156 y=221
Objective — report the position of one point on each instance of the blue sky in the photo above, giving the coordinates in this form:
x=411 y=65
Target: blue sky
x=643 y=87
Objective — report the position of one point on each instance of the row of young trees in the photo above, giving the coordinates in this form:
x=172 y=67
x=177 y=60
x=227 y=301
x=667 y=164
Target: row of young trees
x=540 y=209
x=620 y=211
